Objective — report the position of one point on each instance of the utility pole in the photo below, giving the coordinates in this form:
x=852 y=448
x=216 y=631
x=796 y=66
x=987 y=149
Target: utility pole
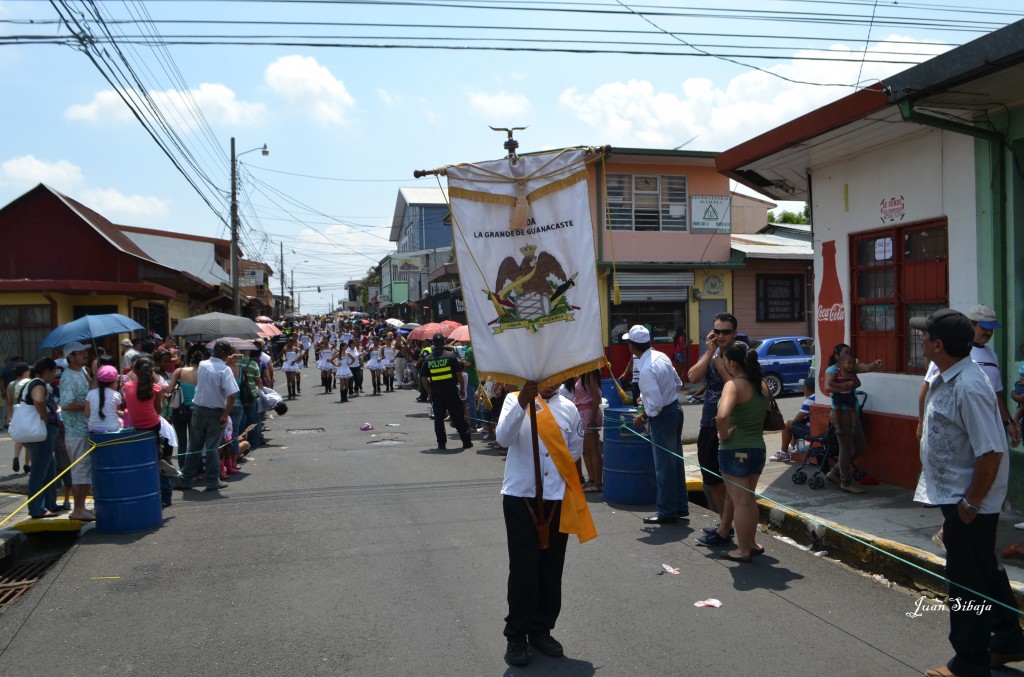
x=235 y=308
x=293 y=291
x=281 y=271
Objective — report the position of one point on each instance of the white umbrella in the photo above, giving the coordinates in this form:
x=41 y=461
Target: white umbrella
x=394 y=322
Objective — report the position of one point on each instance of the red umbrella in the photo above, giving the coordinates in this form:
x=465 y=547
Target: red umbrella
x=452 y=323
x=426 y=332
x=268 y=330
x=460 y=334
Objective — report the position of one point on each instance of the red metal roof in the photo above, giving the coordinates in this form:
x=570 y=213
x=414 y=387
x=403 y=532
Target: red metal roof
x=86 y=286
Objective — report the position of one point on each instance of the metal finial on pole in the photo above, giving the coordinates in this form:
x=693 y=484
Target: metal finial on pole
x=510 y=144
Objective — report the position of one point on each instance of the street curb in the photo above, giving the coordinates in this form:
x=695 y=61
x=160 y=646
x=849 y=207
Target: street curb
x=11 y=541
x=901 y=564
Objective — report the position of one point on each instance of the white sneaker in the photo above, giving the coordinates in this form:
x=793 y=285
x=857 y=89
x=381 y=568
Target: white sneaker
x=1019 y=525
x=168 y=469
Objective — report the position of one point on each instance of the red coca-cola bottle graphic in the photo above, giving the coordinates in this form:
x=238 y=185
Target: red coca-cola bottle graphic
x=831 y=310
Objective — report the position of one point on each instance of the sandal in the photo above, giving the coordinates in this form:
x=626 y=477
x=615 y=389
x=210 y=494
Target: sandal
x=591 y=488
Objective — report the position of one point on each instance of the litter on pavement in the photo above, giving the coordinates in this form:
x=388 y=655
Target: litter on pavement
x=708 y=602
x=365 y=427
x=669 y=569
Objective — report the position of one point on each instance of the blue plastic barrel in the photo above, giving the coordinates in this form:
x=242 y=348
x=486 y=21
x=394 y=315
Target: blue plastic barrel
x=628 y=461
x=610 y=393
x=126 y=481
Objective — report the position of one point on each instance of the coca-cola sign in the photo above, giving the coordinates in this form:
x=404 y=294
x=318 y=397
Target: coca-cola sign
x=835 y=313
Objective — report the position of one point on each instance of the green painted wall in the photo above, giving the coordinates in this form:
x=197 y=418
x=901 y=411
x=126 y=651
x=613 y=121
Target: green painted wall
x=1000 y=192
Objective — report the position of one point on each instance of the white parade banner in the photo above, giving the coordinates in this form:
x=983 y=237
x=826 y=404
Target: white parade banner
x=524 y=241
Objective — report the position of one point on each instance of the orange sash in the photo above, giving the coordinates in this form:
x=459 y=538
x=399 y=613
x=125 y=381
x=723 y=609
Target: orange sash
x=575 y=518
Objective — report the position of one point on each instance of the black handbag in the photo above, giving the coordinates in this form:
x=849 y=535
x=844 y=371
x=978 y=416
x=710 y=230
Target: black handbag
x=773 y=418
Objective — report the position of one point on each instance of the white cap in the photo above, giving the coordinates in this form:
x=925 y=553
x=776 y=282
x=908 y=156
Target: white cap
x=74 y=347
x=637 y=334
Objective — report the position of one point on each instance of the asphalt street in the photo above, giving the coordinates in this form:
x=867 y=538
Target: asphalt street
x=342 y=552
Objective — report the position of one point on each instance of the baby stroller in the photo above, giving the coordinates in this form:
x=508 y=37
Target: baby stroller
x=821 y=453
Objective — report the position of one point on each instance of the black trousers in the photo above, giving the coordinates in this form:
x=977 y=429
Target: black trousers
x=446 y=399
x=534 y=575
x=971 y=562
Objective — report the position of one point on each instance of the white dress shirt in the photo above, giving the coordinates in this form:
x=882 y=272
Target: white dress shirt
x=659 y=382
x=961 y=422
x=513 y=433
x=214 y=384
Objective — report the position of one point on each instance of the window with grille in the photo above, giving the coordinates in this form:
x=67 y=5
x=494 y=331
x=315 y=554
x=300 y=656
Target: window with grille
x=896 y=274
x=780 y=298
x=647 y=202
x=22 y=329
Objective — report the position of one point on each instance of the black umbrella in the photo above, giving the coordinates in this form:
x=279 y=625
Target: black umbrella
x=214 y=325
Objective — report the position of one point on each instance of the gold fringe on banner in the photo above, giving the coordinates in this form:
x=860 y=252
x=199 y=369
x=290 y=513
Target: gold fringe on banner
x=558 y=378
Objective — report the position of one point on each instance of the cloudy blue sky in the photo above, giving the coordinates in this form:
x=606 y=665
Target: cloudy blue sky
x=404 y=86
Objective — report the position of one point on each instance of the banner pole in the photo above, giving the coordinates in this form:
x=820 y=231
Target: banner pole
x=540 y=518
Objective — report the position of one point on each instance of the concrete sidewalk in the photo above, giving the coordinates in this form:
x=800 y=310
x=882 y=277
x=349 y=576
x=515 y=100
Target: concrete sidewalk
x=882 y=531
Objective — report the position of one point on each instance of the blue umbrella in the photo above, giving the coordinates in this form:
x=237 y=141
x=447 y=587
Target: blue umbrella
x=90 y=327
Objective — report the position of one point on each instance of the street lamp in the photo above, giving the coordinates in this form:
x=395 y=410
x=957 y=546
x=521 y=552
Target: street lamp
x=236 y=309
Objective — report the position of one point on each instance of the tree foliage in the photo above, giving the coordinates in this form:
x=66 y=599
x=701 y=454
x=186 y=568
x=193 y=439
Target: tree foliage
x=786 y=216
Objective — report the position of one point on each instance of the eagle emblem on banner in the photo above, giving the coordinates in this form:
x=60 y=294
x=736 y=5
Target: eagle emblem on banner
x=531 y=292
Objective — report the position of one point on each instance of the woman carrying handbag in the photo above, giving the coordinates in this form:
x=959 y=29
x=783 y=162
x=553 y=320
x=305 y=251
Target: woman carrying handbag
x=39 y=394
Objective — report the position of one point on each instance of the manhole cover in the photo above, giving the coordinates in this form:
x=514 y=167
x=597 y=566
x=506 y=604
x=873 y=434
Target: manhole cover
x=304 y=431
x=386 y=443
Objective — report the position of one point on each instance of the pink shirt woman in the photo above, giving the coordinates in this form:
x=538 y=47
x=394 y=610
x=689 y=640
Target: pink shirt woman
x=143 y=414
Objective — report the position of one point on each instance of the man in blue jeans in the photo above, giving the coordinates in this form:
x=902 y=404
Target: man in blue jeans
x=216 y=389
x=659 y=384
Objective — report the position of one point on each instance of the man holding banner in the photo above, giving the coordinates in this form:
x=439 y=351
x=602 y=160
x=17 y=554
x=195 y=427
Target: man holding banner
x=536 y=537
x=524 y=240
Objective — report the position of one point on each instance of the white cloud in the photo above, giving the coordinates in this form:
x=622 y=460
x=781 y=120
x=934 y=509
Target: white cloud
x=634 y=113
x=26 y=171
x=500 y=107
x=121 y=208
x=23 y=173
x=218 y=104
x=387 y=98
x=311 y=88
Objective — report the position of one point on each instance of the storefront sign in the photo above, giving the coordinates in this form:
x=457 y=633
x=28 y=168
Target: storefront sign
x=893 y=209
x=711 y=214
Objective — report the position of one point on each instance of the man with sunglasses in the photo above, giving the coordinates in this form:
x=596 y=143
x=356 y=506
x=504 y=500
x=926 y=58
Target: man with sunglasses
x=711 y=368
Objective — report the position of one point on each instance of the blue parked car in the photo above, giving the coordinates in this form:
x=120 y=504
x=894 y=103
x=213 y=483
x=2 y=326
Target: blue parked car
x=785 y=361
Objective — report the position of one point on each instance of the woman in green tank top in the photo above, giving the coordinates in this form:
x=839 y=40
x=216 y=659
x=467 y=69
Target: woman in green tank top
x=741 y=449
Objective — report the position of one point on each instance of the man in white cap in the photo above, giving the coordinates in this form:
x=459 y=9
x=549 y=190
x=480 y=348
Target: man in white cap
x=131 y=350
x=984 y=320
x=74 y=386
x=659 y=384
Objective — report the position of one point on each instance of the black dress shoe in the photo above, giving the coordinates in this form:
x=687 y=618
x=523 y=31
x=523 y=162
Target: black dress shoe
x=517 y=652
x=547 y=645
x=660 y=519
